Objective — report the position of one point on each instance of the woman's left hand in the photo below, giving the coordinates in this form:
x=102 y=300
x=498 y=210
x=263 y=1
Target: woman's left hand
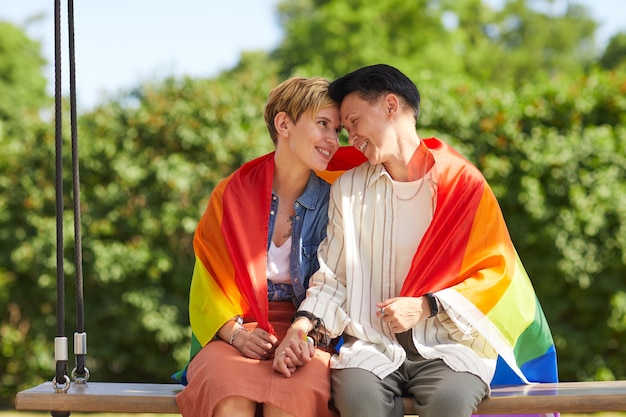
x=256 y=344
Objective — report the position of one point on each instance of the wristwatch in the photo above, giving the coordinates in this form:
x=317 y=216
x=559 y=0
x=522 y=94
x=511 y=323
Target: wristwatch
x=432 y=303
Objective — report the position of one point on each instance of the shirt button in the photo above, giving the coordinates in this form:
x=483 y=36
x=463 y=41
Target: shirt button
x=297 y=217
x=296 y=280
x=297 y=204
x=272 y=212
x=274 y=197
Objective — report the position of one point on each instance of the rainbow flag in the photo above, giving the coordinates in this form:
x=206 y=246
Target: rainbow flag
x=472 y=263
x=467 y=257
x=230 y=246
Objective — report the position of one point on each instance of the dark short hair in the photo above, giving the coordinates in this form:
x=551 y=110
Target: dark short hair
x=373 y=81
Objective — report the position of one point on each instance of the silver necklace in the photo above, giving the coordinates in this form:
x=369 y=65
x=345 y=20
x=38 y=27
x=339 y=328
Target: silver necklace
x=419 y=188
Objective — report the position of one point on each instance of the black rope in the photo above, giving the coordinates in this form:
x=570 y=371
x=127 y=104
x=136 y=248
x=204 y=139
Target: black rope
x=61 y=380
x=61 y=366
x=78 y=259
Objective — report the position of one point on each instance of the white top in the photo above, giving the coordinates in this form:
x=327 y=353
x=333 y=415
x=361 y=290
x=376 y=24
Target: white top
x=278 y=262
x=414 y=202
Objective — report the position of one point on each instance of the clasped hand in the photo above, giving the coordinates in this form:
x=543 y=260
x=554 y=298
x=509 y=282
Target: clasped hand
x=295 y=350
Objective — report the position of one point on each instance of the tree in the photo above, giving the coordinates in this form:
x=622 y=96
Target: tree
x=615 y=53
x=22 y=84
x=24 y=193
x=149 y=162
x=520 y=41
x=435 y=39
x=334 y=37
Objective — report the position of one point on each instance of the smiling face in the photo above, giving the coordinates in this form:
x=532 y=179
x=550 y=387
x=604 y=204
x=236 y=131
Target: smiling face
x=314 y=139
x=369 y=125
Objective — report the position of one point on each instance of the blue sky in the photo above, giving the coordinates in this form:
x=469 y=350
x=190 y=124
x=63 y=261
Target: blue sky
x=120 y=43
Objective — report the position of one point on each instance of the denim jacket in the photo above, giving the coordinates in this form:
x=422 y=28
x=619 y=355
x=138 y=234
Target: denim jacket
x=308 y=231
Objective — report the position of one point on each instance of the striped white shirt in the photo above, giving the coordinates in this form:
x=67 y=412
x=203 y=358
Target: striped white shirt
x=358 y=268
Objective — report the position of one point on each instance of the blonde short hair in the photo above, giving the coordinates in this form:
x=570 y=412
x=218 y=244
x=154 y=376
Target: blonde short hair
x=296 y=96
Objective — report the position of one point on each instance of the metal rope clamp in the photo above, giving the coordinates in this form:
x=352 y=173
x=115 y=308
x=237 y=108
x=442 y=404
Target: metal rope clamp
x=80 y=348
x=60 y=355
x=61 y=389
x=80 y=379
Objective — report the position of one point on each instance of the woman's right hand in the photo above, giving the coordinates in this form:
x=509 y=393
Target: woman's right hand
x=255 y=344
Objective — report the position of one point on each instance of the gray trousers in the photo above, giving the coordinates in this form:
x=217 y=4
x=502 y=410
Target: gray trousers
x=436 y=390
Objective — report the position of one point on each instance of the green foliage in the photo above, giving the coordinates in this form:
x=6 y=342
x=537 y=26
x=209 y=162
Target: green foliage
x=527 y=41
x=615 y=54
x=148 y=162
x=338 y=36
x=445 y=38
x=22 y=84
x=26 y=304
x=27 y=284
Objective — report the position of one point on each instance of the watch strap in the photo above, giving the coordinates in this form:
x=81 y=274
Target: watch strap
x=432 y=303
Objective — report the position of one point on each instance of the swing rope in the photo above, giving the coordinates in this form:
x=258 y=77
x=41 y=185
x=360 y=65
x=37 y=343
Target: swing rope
x=80 y=374
x=61 y=380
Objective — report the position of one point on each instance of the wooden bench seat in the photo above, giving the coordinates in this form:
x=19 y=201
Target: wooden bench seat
x=569 y=397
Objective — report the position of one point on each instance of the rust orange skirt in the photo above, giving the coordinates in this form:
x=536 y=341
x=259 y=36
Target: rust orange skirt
x=219 y=371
